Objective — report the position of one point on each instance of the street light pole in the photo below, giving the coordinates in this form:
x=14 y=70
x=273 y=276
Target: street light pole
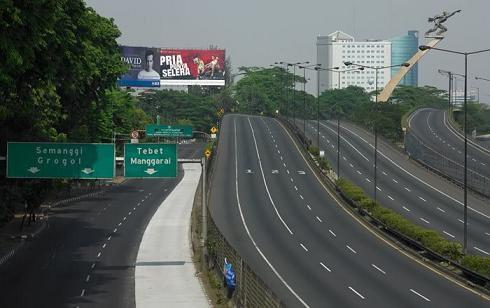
x=375 y=126
x=465 y=208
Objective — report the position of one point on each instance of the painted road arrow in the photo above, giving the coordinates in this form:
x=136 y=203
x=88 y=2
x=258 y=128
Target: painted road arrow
x=33 y=170
x=88 y=170
x=151 y=171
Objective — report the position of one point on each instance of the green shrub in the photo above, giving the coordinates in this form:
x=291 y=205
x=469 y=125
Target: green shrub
x=478 y=264
x=313 y=150
x=323 y=163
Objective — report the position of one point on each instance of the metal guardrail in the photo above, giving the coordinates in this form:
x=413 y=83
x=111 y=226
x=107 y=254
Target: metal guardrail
x=474 y=277
x=437 y=162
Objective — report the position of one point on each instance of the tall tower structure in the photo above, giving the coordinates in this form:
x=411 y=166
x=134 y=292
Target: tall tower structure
x=402 y=49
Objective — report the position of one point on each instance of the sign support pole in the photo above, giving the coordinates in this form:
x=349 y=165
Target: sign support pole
x=204 y=215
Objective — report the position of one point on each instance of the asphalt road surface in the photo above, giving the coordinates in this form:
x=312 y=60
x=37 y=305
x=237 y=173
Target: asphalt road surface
x=85 y=258
x=404 y=186
x=430 y=125
x=304 y=245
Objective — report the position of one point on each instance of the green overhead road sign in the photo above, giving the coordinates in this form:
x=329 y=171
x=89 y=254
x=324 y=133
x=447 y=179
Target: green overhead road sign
x=156 y=130
x=150 y=160
x=60 y=160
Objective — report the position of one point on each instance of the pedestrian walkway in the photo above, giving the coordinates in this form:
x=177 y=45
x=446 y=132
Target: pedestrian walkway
x=164 y=272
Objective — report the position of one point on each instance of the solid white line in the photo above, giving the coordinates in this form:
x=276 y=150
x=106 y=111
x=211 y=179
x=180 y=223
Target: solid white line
x=83 y=293
x=331 y=232
x=379 y=269
x=325 y=267
x=422 y=199
x=88 y=278
x=359 y=152
x=358 y=294
x=309 y=207
x=420 y=295
x=424 y=220
x=318 y=218
x=351 y=249
x=449 y=234
x=368 y=180
x=304 y=247
x=98 y=255
x=415 y=177
x=248 y=232
x=301 y=197
x=406 y=209
x=391 y=197
x=103 y=246
x=481 y=250
x=395 y=181
x=441 y=210
x=407 y=189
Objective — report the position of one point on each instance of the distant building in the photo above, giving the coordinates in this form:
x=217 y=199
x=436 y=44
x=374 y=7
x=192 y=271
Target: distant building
x=402 y=49
x=336 y=48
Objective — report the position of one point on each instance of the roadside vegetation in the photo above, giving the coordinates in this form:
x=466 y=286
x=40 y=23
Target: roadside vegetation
x=478 y=118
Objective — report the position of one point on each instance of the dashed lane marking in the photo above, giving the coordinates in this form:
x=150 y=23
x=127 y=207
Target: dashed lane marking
x=306 y=249
x=318 y=218
x=331 y=232
x=384 y=273
x=420 y=295
x=424 y=220
x=358 y=294
x=351 y=249
x=406 y=209
x=325 y=267
x=481 y=250
x=448 y=234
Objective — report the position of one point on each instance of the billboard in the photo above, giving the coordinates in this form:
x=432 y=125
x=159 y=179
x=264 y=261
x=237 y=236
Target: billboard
x=152 y=67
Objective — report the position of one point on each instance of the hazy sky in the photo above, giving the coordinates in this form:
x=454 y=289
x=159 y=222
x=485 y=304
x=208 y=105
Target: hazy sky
x=261 y=32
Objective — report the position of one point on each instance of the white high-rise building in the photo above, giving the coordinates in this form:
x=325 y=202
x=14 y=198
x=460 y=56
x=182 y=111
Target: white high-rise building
x=338 y=47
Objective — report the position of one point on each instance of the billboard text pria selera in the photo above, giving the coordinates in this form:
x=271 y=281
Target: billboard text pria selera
x=152 y=67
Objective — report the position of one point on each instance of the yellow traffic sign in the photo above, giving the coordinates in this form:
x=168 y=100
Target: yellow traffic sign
x=207 y=153
x=214 y=130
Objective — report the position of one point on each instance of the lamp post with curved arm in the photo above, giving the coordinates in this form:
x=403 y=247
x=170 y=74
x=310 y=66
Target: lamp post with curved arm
x=465 y=208
x=294 y=84
x=376 y=69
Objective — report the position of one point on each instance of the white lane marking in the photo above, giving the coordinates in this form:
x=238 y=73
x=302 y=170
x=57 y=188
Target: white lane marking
x=83 y=293
x=265 y=182
x=473 y=159
x=109 y=238
x=301 y=197
x=368 y=180
x=88 y=278
x=351 y=165
x=424 y=220
x=301 y=172
x=139 y=203
x=384 y=173
x=325 y=267
x=103 y=246
x=306 y=249
x=483 y=164
x=98 y=255
x=407 y=189
x=359 y=152
x=351 y=249
x=481 y=250
x=461 y=221
x=441 y=210
x=292 y=180
x=487 y=233
x=358 y=294
x=395 y=181
x=115 y=230
x=295 y=187
x=415 y=292
x=406 y=209
x=377 y=187
x=281 y=157
x=287 y=171
x=448 y=234
x=379 y=269
x=284 y=164
x=125 y=217
x=93 y=265
x=309 y=207
x=391 y=198
x=415 y=177
x=134 y=209
x=248 y=231
x=422 y=199
x=359 y=172
x=331 y=232
x=278 y=152
x=275 y=171
x=119 y=224
x=318 y=218
x=344 y=158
